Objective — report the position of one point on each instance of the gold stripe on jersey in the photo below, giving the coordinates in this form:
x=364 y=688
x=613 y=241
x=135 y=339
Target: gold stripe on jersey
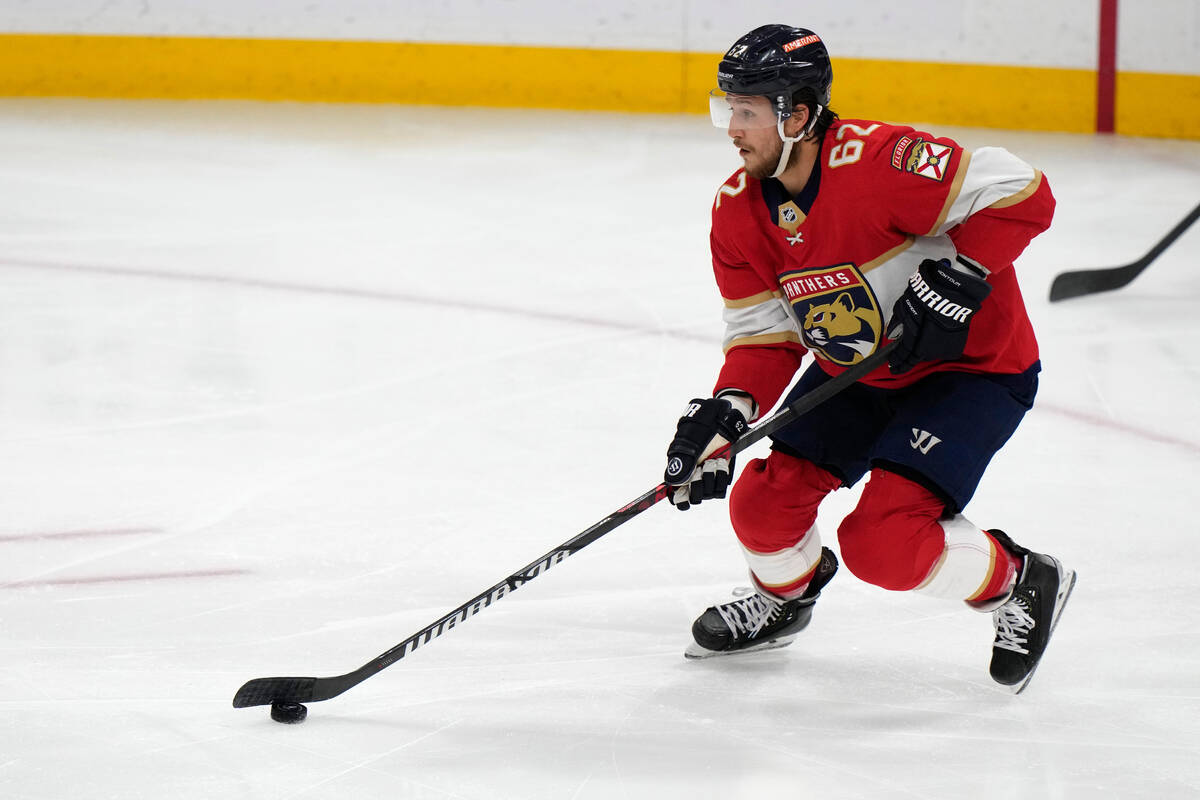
x=889 y=255
x=732 y=191
x=955 y=187
x=1020 y=196
x=764 y=338
x=752 y=300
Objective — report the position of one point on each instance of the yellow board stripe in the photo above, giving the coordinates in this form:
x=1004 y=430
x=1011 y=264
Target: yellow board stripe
x=339 y=71
x=1033 y=98
x=1158 y=105
x=977 y=95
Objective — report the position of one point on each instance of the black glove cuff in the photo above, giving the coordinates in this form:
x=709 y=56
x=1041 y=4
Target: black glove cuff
x=955 y=284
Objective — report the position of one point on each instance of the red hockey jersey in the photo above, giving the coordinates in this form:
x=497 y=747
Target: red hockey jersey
x=821 y=271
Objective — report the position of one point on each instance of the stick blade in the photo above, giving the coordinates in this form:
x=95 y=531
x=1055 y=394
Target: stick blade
x=265 y=691
x=1091 y=281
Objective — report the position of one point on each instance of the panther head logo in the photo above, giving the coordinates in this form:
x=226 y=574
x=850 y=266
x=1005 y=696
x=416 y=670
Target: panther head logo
x=840 y=330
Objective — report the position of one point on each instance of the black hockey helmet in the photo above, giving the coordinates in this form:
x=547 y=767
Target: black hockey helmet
x=777 y=61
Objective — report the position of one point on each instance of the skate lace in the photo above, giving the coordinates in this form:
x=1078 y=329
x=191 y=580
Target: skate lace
x=1013 y=624
x=748 y=616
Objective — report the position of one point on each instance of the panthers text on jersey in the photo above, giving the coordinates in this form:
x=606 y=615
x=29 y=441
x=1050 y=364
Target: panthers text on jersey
x=821 y=271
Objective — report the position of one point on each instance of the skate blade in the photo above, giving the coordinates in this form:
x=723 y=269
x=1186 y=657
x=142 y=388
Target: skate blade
x=1066 y=585
x=696 y=652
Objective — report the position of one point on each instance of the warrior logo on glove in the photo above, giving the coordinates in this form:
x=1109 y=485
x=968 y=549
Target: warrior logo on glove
x=674 y=468
x=931 y=318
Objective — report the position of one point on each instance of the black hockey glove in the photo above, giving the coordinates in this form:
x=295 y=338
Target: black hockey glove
x=705 y=426
x=932 y=316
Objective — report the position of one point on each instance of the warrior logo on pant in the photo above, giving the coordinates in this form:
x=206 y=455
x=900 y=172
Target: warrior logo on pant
x=923 y=441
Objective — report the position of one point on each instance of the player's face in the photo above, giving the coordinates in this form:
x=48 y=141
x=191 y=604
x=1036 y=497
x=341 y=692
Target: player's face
x=751 y=122
x=760 y=150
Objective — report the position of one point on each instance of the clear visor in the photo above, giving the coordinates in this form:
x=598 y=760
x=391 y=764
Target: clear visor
x=741 y=111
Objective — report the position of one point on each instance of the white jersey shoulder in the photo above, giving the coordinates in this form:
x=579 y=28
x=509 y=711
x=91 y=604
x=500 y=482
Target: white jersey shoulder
x=994 y=177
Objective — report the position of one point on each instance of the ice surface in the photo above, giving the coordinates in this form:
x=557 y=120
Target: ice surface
x=282 y=384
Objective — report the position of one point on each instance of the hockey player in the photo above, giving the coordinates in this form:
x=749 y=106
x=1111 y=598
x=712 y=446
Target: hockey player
x=836 y=237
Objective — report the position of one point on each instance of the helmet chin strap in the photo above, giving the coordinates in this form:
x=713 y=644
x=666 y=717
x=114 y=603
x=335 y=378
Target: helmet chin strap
x=788 y=141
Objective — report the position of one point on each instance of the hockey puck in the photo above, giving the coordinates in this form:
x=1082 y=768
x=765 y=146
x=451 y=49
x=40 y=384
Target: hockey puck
x=288 y=713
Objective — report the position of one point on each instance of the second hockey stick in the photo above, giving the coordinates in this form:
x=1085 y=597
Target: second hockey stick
x=266 y=691
x=1078 y=283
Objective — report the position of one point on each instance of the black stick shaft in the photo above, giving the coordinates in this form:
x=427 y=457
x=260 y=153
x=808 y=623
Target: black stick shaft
x=263 y=691
x=1172 y=235
x=1078 y=283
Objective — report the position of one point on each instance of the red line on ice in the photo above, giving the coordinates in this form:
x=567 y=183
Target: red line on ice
x=1102 y=422
x=130 y=578
x=79 y=534
x=520 y=312
x=365 y=294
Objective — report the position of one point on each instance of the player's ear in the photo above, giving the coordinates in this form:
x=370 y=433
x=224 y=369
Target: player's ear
x=797 y=121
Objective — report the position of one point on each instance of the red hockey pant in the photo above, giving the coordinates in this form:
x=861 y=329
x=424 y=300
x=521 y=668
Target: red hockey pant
x=892 y=538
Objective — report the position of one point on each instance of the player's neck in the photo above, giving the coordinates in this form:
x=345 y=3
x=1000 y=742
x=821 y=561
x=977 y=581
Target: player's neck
x=795 y=177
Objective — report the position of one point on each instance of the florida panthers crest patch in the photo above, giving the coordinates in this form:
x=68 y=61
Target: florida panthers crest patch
x=927 y=159
x=839 y=316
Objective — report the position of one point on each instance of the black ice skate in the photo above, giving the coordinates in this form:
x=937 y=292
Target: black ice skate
x=758 y=622
x=1027 y=619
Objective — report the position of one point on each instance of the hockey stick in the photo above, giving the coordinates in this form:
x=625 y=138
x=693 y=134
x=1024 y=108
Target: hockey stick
x=1090 y=281
x=265 y=691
